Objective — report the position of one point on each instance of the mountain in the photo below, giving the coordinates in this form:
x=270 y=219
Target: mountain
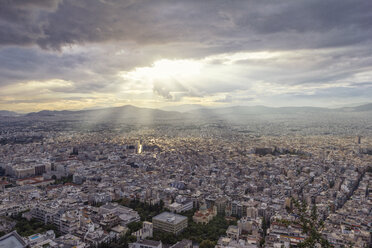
x=124 y=113
x=50 y=113
x=6 y=113
x=361 y=108
x=183 y=108
x=249 y=114
x=258 y=110
x=260 y=120
x=191 y=112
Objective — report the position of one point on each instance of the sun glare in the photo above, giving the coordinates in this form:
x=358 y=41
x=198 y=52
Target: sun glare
x=165 y=69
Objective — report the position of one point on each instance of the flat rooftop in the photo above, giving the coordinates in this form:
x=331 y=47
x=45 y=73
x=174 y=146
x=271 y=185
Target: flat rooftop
x=170 y=217
x=12 y=240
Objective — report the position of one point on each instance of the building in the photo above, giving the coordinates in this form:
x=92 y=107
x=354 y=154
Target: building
x=180 y=207
x=125 y=215
x=12 y=209
x=24 y=171
x=186 y=204
x=42 y=239
x=185 y=243
x=170 y=222
x=69 y=221
x=13 y=240
x=204 y=214
x=40 y=170
x=70 y=240
x=145 y=232
x=146 y=244
x=47 y=214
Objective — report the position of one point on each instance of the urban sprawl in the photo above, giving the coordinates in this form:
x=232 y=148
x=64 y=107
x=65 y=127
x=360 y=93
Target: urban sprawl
x=82 y=189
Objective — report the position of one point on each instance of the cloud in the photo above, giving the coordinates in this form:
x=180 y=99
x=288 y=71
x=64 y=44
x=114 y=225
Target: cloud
x=217 y=25
x=237 y=99
x=186 y=50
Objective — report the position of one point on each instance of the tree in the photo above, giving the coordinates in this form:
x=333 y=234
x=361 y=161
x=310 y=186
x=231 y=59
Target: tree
x=132 y=239
x=207 y=244
x=331 y=184
x=262 y=242
x=134 y=226
x=264 y=226
x=310 y=225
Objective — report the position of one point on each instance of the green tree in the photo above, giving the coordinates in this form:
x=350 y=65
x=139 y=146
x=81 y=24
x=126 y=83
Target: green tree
x=310 y=225
x=262 y=242
x=207 y=244
x=264 y=226
x=134 y=226
x=132 y=239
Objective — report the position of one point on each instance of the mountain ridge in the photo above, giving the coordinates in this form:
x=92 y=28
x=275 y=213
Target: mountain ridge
x=195 y=109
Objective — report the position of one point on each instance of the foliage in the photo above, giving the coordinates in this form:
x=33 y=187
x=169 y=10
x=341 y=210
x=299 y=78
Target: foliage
x=98 y=204
x=197 y=232
x=331 y=184
x=145 y=211
x=207 y=244
x=262 y=242
x=310 y=225
x=264 y=225
x=26 y=228
x=121 y=242
x=64 y=180
x=134 y=226
x=285 y=222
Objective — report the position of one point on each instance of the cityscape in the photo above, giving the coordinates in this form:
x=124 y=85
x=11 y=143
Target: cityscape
x=185 y=124
x=92 y=185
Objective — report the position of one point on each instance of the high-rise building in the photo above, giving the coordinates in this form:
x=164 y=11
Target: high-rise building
x=359 y=139
x=139 y=147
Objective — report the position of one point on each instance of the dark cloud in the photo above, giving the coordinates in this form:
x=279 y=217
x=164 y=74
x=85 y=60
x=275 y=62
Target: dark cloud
x=227 y=25
x=23 y=22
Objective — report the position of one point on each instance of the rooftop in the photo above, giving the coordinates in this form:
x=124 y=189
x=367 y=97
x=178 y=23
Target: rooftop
x=170 y=217
x=149 y=242
x=12 y=240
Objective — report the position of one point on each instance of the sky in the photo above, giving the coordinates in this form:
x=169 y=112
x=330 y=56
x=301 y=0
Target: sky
x=82 y=54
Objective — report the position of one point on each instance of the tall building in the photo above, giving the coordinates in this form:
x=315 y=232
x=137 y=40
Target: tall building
x=359 y=140
x=139 y=147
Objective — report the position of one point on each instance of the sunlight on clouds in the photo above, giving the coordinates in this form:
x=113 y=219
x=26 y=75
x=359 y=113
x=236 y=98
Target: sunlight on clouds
x=229 y=58
x=229 y=78
x=165 y=69
x=165 y=79
x=202 y=81
x=38 y=87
